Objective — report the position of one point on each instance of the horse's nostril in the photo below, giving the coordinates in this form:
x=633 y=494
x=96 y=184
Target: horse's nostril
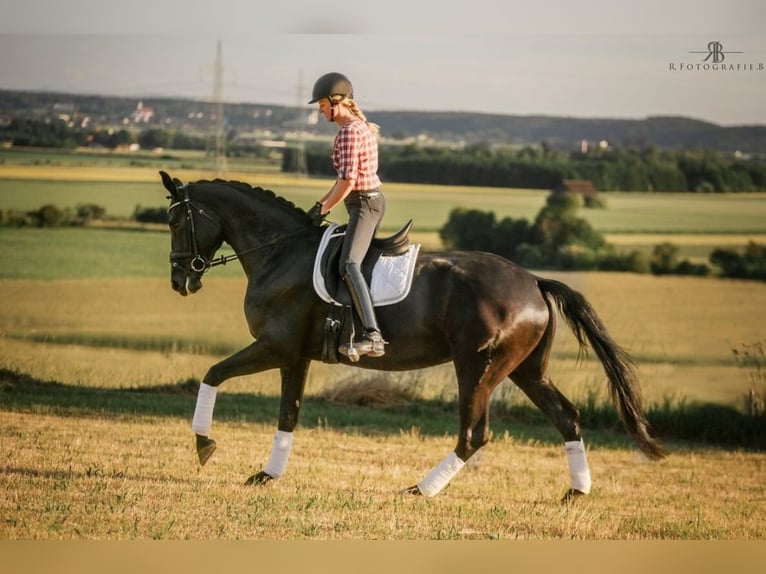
x=178 y=286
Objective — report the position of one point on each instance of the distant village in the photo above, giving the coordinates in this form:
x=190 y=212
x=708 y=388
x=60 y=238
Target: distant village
x=268 y=125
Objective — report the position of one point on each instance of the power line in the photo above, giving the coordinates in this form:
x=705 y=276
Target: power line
x=300 y=167
x=218 y=137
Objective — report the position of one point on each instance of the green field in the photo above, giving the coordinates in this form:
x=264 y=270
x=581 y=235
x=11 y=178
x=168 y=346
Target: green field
x=429 y=206
x=121 y=189
x=82 y=253
x=696 y=223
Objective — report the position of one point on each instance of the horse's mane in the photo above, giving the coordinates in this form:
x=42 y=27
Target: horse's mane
x=277 y=200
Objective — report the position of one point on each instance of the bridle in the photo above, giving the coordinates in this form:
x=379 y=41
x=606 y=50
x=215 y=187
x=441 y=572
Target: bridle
x=197 y=262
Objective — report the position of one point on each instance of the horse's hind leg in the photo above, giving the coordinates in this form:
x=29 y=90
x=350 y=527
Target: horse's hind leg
x=566 y=419
x=531 y=377
x=473 y=434
x=477 y=376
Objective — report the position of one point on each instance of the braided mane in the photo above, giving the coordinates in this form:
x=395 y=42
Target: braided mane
x=279 y=201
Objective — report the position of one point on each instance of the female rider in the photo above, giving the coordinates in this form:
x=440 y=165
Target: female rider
x=355 y=157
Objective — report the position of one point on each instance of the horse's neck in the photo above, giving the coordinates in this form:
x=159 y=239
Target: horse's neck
x=250 y=222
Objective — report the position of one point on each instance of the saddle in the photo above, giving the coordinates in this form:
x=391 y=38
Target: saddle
x=389 y=262
x=388 y=269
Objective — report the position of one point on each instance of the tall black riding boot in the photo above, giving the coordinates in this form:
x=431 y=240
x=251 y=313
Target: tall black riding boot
x=371 y=342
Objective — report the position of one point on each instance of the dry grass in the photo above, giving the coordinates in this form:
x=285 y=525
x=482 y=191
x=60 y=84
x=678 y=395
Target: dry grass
x=126 y=475
x=123 y=478
x=370 y=392
x=680 y=330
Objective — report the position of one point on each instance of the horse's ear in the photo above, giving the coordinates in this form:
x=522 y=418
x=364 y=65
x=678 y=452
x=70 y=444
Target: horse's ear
x=169 y=183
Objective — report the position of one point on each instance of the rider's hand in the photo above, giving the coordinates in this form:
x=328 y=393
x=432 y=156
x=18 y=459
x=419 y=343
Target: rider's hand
x=315 y=214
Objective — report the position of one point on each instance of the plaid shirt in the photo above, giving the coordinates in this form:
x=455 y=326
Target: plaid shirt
x=355 y=155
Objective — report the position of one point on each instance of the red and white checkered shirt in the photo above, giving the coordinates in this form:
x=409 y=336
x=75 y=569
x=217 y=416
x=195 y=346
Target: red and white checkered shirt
x=355 y=155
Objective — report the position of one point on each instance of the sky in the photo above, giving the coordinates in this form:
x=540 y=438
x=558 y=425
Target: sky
x=562 y=58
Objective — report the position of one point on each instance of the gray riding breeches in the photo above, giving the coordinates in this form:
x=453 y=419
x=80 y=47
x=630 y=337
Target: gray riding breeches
x=365 y=212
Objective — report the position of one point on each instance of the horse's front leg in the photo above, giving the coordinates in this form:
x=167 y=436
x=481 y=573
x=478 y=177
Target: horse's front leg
x=293 y=384
x=259 y=356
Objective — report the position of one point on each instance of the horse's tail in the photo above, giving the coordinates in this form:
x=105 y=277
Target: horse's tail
x=623 y=381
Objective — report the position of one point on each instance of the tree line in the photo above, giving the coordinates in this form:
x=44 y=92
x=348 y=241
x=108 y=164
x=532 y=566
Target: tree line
x=56 y=134
x=559 y=239
x=556 y=239
x=610 y=169
x=645 y=168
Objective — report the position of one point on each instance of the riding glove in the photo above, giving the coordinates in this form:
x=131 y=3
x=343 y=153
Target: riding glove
x=315 y=214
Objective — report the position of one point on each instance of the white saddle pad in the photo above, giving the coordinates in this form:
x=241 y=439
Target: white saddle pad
x=391 y=277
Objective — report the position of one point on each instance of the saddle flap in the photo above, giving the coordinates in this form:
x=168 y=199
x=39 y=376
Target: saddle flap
x=327 y=280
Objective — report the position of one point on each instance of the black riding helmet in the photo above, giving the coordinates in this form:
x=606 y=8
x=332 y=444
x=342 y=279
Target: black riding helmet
x=332 y=84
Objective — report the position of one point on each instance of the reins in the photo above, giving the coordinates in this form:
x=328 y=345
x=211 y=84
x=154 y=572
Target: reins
x=224 y=259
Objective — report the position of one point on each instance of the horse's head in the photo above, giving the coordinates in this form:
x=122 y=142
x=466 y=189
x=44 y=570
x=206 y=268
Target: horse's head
x=195 y=236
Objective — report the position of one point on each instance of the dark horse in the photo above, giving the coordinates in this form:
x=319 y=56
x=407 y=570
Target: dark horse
x=488 y=316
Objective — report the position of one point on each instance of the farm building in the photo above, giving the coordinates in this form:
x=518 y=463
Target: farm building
x=582 y=187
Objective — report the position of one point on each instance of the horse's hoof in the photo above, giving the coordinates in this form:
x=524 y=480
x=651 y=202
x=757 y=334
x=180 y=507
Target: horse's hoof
x=258 y=479
x=571 y=496
x=205 y=449
x=413 y=490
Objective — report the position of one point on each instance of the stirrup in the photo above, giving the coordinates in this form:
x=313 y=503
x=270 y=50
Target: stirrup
x=371 y=344
x=376 y=343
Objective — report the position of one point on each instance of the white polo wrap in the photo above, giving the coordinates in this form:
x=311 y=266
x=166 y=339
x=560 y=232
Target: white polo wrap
x=441 y=474
x=280 y=452
x=203 y=413
x=578 y=465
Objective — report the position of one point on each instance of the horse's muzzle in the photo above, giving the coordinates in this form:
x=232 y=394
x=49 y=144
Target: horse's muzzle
x=185 y=283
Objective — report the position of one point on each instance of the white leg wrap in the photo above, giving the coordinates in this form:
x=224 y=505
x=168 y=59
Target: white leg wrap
x=203 y=413
x=441 y=474
x=578 y=465
x=280 y=452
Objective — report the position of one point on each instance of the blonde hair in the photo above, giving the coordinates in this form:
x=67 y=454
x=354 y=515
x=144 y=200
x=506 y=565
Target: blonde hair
x=354 y=109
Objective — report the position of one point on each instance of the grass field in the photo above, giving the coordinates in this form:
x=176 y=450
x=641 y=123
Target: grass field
x=695 y=223
x=121 y=188
x=681 y=352
x=99 y=361
x=133 y=477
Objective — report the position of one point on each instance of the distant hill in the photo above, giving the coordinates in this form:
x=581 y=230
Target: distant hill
x=669 y=132
x=665 y=132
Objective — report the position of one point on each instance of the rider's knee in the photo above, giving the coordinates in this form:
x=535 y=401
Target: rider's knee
x=348 y=266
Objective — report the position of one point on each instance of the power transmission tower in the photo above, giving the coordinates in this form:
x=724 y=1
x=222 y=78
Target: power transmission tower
x=299 y=159
x=217 y=141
